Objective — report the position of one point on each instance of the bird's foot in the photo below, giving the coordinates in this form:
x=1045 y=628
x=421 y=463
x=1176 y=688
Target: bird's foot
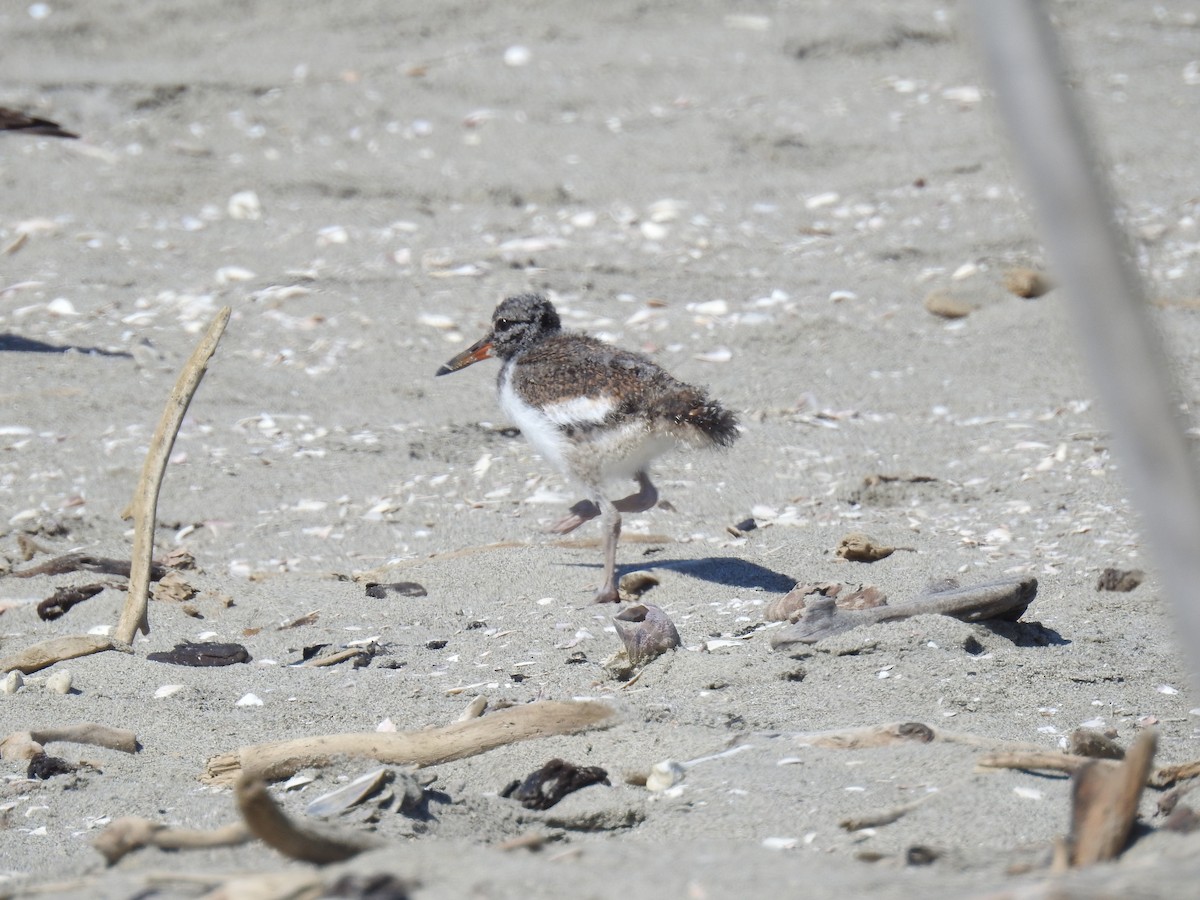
x=583 y=511
x=607 y=594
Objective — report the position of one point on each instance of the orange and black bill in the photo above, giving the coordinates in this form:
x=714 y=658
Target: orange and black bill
x=479 y=350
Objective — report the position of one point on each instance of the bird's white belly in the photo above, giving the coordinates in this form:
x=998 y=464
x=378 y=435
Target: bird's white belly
x=596 y=452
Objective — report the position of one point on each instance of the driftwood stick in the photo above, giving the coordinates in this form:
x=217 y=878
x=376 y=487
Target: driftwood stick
x=47 y=653
x=1045 y=760
x=270 y=824
x=282 y=759
x=1104 y=803
x=144 y=505
x=881 y=817
x=1005 y=598
x=89 y=733
x=125 y=835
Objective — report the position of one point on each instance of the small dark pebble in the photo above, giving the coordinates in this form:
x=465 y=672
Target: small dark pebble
x=435 y=645
x=472 y=626
x=518 y=677
x=920 y=855
x=746 y=525
x=553 y=781
x=202 y=654
x=1120 y=579
x=42 y=767
x=403 y=588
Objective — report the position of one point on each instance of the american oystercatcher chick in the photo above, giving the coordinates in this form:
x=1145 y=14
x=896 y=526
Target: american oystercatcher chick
x=594 y=411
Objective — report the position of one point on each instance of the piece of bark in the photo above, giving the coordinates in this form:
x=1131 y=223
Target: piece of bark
x=57 y=604
x=1005 y=598
x=47 y=653
x=86 y=562
x=282 y=759
x=1104 y=803
x=267 y=822
x=205 y=653
x=144 y=506
x=858 y=547
x=544 y=787
x=124 y=835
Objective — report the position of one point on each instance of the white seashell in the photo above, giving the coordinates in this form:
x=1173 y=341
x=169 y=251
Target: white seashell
x=1167 y=689
x=100 y=629
x=59 y=683
x=349 y=795
x=967 y=93
x=61 y=306
x=13 y=682
x=167 y=690
x=244 y=205
x=387 y=726
x=653 y=231
x=436 y=320
x=709 y=308
x=663 y=775
x=781 y=843
x=718 y=355
x=1028 y=793
x=332 y=234
x=517 y=55
x=232 y=274
x=819 y=200
x=297 y=781
x=250 y=700
x=585 y=219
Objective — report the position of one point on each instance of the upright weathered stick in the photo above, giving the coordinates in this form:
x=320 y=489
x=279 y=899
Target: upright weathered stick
x=1101 y=281
x=144 y=505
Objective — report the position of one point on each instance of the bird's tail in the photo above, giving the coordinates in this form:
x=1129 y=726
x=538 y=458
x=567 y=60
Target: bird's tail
x=704 y=421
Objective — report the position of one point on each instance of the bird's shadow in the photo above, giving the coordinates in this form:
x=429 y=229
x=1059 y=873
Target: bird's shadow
x=15 y=343
x=726 y=570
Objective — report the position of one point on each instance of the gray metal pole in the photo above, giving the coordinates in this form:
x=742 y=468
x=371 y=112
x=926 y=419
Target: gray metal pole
x=1091 y=258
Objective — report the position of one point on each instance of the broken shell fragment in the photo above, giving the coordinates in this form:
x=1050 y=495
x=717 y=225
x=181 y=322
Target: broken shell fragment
x=635 y=584
x=348 y=795
x=663 y=775
x=646 y=632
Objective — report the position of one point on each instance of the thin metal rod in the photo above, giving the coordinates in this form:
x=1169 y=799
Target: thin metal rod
x=1092 y=259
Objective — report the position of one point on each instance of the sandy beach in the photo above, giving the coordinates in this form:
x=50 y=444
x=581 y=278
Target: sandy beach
x=762 y=197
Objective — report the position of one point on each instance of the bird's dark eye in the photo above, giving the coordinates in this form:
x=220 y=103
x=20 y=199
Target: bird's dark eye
x=503 y=323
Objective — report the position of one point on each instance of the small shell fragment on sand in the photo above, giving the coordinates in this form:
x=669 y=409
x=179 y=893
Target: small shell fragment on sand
x=59 y=682
x=664 y=774
x=348 y=795
x=1027 y=283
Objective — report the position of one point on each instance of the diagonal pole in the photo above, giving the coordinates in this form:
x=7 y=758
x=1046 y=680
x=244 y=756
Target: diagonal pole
x=1092 y=258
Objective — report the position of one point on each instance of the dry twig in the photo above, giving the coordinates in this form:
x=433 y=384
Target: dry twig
x=144 y=505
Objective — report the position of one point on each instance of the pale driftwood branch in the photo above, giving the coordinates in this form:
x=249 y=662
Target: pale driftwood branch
x=270 y=824
x=282 y=759
x=1035 y=760
x=125 y=835
x=1005 y=598
x=47 y=653
x=28 y=744
x=1165 y=776
x=1104 y=803
x=144 y=505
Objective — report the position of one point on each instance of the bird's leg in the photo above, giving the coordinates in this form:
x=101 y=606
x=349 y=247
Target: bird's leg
x=585 y=510
x=610 y=521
